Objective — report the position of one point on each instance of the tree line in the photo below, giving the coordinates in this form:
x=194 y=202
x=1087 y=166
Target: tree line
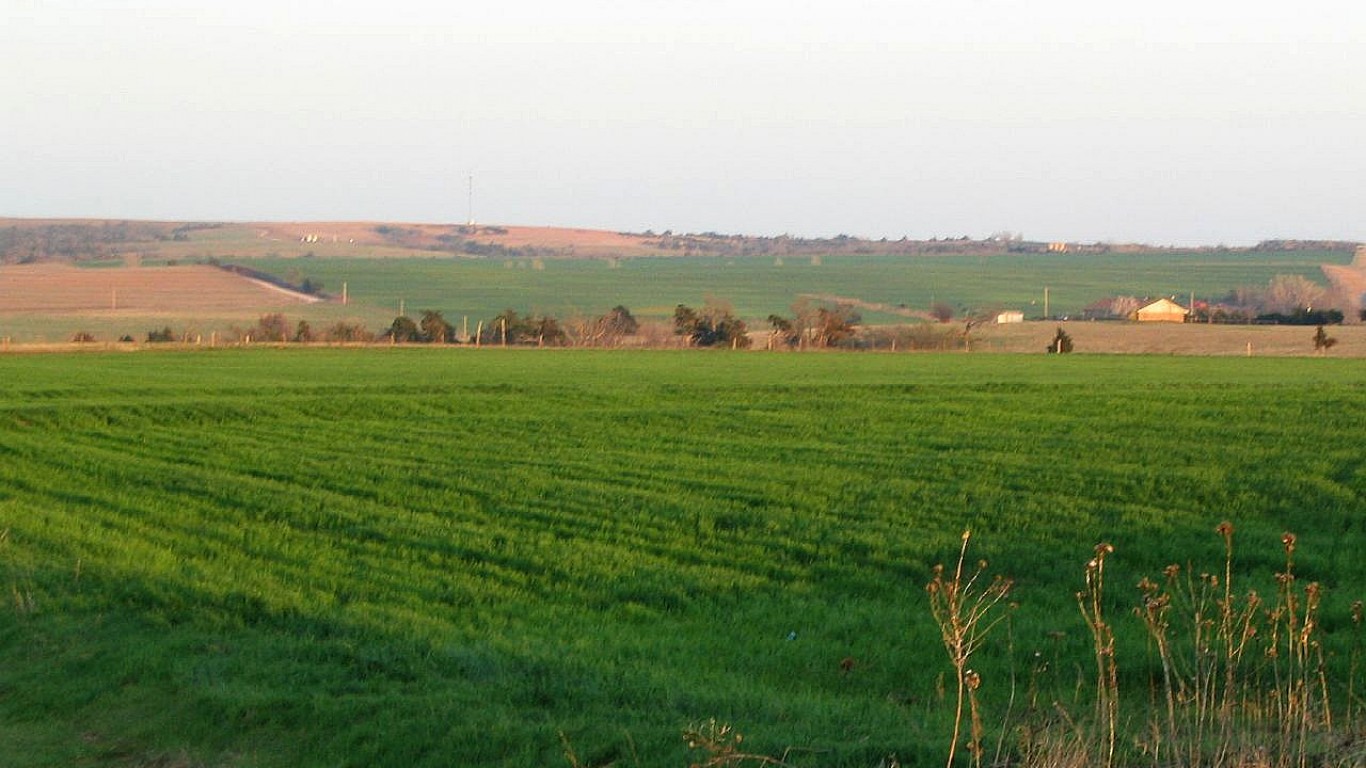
x=714 y=324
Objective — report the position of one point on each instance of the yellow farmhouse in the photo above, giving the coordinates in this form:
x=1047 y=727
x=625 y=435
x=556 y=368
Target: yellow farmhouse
x=1161 y=311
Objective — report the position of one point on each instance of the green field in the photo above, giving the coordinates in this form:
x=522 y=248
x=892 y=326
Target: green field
x=885 y=289
x=758 y=287
x=456 y=557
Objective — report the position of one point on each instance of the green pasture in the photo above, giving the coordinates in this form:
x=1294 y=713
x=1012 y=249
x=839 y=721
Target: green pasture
x=201 y=327
x=380 y=284
x=758 y=287
x=434 y=557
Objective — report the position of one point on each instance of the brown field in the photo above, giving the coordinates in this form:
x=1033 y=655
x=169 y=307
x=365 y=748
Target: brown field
x=55 y=289
x=583 y=242
x=1172 y=339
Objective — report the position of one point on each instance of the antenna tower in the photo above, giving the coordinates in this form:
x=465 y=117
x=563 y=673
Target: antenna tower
x=470 y=202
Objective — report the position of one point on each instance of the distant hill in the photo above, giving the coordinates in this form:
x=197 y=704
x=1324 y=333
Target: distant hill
x=39 y=240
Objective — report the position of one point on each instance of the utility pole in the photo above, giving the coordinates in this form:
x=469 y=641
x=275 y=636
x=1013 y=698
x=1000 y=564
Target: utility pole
x=470 y=202
x=343 y=294
x=1045 y=302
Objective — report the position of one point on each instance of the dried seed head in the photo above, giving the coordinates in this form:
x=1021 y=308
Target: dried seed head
x=1288 y=539
x=1356 y=612
x=972 y=679
x=1146 y=586
x=1171 y=571
x=1224 y=529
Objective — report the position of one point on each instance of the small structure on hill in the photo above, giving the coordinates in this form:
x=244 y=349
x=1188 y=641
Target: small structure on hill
x=1010 y=316
x=1161 y=311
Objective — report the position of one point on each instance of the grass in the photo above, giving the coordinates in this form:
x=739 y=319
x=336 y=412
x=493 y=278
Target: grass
x=758 y=287
x=415 y=556
x=379 y=284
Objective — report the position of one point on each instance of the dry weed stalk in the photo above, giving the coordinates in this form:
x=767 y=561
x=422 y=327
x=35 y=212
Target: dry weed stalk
x=1055 y=743
x=1202 y=688
x=21 y=585
x=1243 y=684
x=965 y=612
x=1353 y=667
x=1103 y=644
x=721 y=745
x=1219 y=709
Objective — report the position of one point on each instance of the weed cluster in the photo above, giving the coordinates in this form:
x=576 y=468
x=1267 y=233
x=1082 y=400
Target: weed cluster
x=1240 y=681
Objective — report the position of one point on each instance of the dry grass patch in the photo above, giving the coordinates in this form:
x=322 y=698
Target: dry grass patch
x=1171 y=339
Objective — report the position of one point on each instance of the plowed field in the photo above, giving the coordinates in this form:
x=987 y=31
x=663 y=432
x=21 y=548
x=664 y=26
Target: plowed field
x=59 y=288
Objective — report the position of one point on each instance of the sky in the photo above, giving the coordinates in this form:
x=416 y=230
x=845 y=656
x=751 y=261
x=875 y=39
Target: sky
x=1169 y=122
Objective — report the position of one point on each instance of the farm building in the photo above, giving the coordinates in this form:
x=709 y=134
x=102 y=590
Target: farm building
x=1012 y=316
x=1161 y=311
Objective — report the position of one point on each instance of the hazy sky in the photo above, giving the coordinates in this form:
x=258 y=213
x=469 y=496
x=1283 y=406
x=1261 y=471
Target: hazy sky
x=1162 y=121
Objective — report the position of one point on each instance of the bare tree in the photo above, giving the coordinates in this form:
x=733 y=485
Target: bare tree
x=1288 y=293
x=1124 y=306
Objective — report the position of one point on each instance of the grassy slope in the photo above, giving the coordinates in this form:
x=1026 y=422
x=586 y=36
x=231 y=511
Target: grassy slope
x=431 y=557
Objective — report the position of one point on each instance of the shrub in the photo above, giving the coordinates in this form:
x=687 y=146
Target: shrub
x=343 y=331
x=508 y=327
x=941 y=311
x=435 y=329
x=714 y=326
x=270 y=327
x=1322 y=341
x=1303 y=317
x=1061 y=343
x=304 y=332
x=161 y=336
x=403 y=331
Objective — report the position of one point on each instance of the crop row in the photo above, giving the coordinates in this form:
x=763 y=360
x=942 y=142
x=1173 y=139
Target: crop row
x=287 y=544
